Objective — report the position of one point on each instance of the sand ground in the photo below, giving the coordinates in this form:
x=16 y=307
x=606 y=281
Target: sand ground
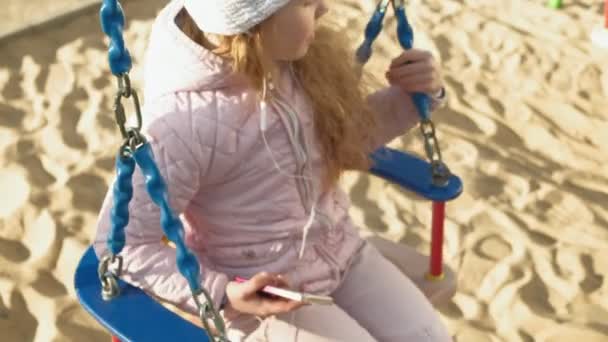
x=526 y=128
x=18 y=16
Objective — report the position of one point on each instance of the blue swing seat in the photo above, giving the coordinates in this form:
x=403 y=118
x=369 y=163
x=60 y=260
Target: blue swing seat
x=412 y=173
x=135 y=316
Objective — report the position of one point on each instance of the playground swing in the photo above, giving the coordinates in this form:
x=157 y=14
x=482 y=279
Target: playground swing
x=128 y=312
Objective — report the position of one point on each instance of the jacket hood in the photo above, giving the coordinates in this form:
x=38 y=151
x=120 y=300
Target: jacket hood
x=175 y=63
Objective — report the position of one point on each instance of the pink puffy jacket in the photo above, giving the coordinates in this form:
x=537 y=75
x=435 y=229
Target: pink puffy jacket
x=240 y=214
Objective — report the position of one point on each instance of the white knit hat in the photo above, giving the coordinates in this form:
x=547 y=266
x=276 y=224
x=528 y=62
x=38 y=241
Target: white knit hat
x=229 y=17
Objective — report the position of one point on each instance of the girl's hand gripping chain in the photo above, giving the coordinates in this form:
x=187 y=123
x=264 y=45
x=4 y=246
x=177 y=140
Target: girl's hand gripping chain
x=415 y=71
x=420 y=78
x=440 y=172
x=405 y=35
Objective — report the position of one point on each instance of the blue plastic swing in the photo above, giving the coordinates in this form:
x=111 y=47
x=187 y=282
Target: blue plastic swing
x=129 y=313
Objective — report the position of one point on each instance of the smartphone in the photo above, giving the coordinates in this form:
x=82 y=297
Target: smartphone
x=294 y=295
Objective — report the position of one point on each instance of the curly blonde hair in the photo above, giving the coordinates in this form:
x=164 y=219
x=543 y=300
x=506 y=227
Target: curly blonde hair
x=344 y=122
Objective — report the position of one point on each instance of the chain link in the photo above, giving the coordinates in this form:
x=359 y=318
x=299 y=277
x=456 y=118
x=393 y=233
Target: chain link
x=124 y=85
x=439 y=171
x=108 y=277
x=125 y=91
x=206 y=311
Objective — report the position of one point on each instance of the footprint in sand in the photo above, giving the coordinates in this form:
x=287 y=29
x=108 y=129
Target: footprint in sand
x=14 y=182
x=18 y=320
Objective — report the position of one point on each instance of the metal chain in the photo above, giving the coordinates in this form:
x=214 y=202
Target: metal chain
x=136 y=151
x=372 y=30
x=440 y=174
x=171 y=224
x=112 y=20
x=122 y=192
x=125 y=91
x=206 y=311
x=108 y=277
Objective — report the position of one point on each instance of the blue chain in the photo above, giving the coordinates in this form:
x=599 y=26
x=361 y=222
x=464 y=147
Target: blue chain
x=171 y=224
x=112 y=23
x=405 y=36
x=372 y=30
x=137 y=151
x=123 y=192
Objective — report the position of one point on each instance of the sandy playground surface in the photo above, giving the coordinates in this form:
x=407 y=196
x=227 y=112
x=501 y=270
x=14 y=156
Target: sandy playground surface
x=526 y=128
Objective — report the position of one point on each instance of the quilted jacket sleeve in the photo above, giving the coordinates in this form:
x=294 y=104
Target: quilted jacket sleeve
x=396 y=113
x=184 y=163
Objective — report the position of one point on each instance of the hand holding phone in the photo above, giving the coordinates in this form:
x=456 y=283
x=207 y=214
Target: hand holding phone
x=293 y=295
x=248 y=298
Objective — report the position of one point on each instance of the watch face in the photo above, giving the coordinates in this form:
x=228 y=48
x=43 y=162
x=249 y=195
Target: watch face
x=440 y=94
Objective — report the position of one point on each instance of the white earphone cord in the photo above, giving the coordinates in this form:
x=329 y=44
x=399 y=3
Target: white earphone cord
x=310 y=190
x=300 y=154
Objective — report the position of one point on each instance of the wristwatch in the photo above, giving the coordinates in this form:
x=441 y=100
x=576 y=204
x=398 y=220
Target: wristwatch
x=439 y=99
x=440 y=95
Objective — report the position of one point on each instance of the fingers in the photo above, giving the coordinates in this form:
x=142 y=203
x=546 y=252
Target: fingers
x=292 y=305
x=417 y=83
x=282 y=281
x=415 y=71
x=258 y=282
x=262 y=304
x=409 y=56
x=278 y=306
x=262 y=279
x=410 y=70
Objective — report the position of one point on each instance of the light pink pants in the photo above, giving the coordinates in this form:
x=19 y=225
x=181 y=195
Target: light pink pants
x=375 y=302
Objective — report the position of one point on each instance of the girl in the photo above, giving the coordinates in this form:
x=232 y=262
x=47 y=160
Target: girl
x=253 y=111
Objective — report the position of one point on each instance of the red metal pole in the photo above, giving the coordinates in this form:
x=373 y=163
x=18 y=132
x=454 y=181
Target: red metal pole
x=606 y=14
x=436 y=261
